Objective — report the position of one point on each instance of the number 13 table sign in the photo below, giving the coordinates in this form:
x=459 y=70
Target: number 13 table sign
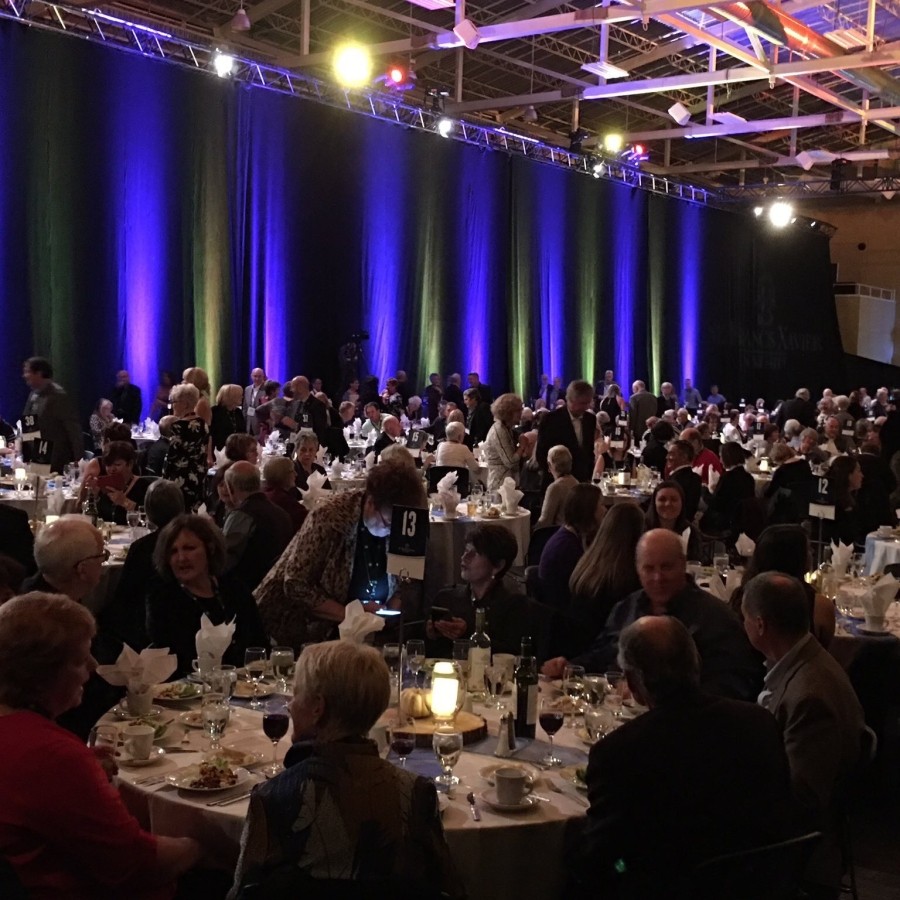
x=408 y=542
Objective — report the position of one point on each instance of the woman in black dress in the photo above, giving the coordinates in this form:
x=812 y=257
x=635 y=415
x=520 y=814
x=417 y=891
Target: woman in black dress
x=186 y=461
x=116 y=501
x=227 y=418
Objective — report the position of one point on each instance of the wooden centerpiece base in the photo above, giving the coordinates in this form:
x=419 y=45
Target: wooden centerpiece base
x=472 y=727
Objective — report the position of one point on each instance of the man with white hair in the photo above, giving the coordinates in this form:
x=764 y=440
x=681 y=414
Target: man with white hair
x=799 y=407
x=454 y=452
x=254 y=396
x=391 y=429
x=667 y=399
x=641 y=406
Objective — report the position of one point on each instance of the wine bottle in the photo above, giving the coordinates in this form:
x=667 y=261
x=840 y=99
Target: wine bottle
x=526 y=691
x=479 y=656
x=89 y=508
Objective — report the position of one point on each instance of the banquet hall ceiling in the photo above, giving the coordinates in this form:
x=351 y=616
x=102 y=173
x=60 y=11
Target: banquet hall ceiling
x=527 y=72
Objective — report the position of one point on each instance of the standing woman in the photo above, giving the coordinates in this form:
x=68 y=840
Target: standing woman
x=200 y=380
x=186 y=461
x=613 y=404
x=226 y=416
x=500 y=450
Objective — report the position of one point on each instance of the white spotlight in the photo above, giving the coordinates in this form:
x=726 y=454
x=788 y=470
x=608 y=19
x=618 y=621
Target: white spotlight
x=223 y=63
x=757 y=211
x=444 y=126
x=352 y=65
x=781 y=214
x=613 y=142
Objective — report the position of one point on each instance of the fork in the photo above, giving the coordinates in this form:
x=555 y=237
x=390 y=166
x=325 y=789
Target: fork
x=149 y=780
x=558 y=790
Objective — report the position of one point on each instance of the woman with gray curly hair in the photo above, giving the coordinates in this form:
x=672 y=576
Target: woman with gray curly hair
x=186 y=460
x=64 y=829
x=338 y=812
x=500 y=449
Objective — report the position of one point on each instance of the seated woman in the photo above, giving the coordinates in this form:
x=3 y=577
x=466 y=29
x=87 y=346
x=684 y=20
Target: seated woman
x=582 y=515
x=63 y=828
x=605 y=574
x=100 y=418
x=559 y=464
x=305 y=460
x=226 y=416
x=785 y=548
x=237 y=447
x=654 y=452
x=845 y=477
x=190 y=557
x=489 y=554
x=186 y=460
x=281 y=480
x=453 y=452
x=666 y=510
x=338 y=812
x=734 y=487
x=338 y=555
x=96 y=467
x=792 y=486
x=115 y=501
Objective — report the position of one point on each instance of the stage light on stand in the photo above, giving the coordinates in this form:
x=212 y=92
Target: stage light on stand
x=223 y=64
x=781 y=214
x=613 y=142
x=530 y=115
x=444 y=126
x=352 y=65
x=399 y=77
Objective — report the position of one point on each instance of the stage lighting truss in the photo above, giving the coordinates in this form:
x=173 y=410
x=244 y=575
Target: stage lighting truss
x=147 y=40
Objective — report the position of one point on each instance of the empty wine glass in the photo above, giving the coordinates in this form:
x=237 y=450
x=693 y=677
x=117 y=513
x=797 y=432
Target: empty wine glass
x=103 y=737
x=447 y=745
x=402 y=735
x=214 y=715
x=255 y=668
x=597 y=723
x=573 y=688
x=617 y=690
x=391 y=654
x=461 y=656
x=551 y=718
x=494 y=677
x=282 y=662
x=415 y=659
x=275 y=725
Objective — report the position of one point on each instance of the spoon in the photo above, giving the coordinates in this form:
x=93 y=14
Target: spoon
x=476 y=816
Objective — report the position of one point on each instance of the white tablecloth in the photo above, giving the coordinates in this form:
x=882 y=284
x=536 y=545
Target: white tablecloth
x=880 y=552
x=26 y=502
x=503 y=857
x=448 y=540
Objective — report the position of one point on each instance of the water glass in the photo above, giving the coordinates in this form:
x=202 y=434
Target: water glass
x=103 y=737
x=447 y=745
x=255 y=669
x=461 y=650
x=573 y=688
x=415 y=659
x=494 y=679
x=282 y=662
x=720 y=564
x=617 y=690
x=133 y=518
x=214 y=715
x=222 y=680
x=597 y=723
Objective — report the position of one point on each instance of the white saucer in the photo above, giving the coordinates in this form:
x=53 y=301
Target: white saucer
x=490 y=797
x=881 y=632
x=122 y=712
x=124 y=759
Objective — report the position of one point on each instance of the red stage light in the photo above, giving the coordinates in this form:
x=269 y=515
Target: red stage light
x=396 y=74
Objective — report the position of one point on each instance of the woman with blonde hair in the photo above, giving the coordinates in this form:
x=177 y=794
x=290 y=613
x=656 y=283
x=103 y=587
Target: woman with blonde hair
x=500 y=449
x=186 y=459
x=226 y=417
x=200 y=380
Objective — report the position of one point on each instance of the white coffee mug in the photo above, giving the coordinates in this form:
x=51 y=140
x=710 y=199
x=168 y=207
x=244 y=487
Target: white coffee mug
x=874 y=623
x=139 y=702
x=512 y=785
x=138 y=740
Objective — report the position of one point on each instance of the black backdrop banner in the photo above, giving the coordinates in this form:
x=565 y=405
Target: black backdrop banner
x=153 y=217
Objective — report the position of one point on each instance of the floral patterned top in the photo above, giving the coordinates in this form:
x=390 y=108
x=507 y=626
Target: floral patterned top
x=186 y=459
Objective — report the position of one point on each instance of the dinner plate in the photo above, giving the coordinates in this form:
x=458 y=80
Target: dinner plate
x=493 y=801
x=125 y=759
x=177 y=692
x=235 y=757
x=183 y=777
x=191 y=719
x=569 y=773
x=487 y=773
x=121 y=712
x=244 y=690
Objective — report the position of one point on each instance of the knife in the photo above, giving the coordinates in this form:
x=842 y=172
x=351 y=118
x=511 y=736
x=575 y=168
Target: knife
x=476 y=816
x=229 y=800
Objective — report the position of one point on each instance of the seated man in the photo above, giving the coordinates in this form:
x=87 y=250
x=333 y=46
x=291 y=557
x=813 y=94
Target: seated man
x=374 y=419
x=678 y=465
x=391 y=429
x=695 y=777
x=704 y=458
x=256 y=530
x=811 y=698
x=729 y=665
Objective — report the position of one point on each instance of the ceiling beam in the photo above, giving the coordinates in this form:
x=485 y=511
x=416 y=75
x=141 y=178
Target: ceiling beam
x=781 y=162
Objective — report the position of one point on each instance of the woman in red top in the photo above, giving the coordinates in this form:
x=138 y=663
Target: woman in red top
x=63 y=827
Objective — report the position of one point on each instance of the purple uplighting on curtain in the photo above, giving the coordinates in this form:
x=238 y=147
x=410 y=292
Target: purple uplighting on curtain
x=691 y=252
x=627 y=281
x=550 y=275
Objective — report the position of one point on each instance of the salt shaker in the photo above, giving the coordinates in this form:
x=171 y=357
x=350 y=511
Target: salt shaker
x=506 y=742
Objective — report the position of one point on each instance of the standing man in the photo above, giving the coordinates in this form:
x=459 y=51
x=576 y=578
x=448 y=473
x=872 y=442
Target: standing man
x=667 y=399
x=51 y=433
x=691 y=399
x=305 y=412
x=126 y=399
x=641 y=406
x=434 y=393
x=479 y=418
x=254 y=396
x=574 y=427
x=453 y=392
x=483 y=389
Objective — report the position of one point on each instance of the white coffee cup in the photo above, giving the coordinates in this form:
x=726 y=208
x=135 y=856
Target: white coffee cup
x=874 y=623
x=512 y=785
x=139 y=702
x=138 y=740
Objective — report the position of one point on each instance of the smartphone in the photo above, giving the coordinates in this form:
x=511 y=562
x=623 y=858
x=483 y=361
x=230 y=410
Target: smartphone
x=440 y=612
x=110 y=482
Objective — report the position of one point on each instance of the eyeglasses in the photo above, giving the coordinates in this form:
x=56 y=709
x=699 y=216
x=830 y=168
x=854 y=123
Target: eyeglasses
x=104 y=556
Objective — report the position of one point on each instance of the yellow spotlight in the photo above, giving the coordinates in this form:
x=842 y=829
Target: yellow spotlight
x=352 y=65
x=613 y=143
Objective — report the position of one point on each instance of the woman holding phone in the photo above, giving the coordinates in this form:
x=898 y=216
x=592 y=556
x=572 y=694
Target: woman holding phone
x=120 y=491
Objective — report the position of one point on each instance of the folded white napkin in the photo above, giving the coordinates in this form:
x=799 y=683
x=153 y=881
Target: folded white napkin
x=685 y=539
x=201 y=510
x=448 y=483
x=510 y=495
x=221 y=458
x=840 y=557
x=138 y=671
x=745 y=546
x=337 y=469
x=315 y=491
x=55 y=503
x=370 y=460
x=875 y=602
x=712 y=479
x=213 y=640
x=358 y=623
x=348 y=432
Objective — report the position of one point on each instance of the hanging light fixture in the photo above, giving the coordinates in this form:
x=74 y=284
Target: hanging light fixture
x=241 y=21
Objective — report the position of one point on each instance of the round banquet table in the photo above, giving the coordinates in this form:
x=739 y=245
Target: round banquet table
x=491 y=854
x=448 y=540
x=880 y=552
x=38 y=510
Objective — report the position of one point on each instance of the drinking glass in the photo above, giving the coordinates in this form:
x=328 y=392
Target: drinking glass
x=551 y=718
x=275 y=725
x=103 y=737
x=133 y=519
x=282 y=661
x=594 y=690
x=391 y=653
x=494 y=677
x=573 y=688
x=402 y=735
x=720 y=564
x=214 y=714
x=597 y=723
x=461 y=656
x=222 y=680
x=255 y=668
x=617 y=688
x=447 y=745
x=415 y=659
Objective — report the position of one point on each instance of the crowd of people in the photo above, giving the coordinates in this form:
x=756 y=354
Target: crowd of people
x=745 y=693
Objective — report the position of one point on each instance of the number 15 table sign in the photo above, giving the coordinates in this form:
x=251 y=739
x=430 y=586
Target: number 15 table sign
x=408 y=542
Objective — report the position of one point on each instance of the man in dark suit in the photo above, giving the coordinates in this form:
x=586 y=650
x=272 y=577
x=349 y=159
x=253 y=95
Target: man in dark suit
x=254 y=397
x=573 y=426
x=479 y=418
x=305 y=411
x=484 y=390
x=391 y=429
x=641 y=406
x=18 y=541
x=50 y=418
x=126 y=399
x=695 y=777
x=799 y=407
x=815 y=706
x=679 y=458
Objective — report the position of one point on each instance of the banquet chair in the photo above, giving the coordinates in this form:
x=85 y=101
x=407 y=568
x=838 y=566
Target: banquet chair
x=769 y=872
x=868 y=748
x=539 y=538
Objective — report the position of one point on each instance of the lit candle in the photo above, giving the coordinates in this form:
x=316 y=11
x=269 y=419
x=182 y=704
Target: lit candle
x=20 y=474
x=50 y=519
x=444 y=690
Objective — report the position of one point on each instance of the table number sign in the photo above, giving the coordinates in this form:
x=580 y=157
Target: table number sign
x=822 y=504
x=619 y=434
x=36 y=451
x=417 y=442
x=408 y=542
